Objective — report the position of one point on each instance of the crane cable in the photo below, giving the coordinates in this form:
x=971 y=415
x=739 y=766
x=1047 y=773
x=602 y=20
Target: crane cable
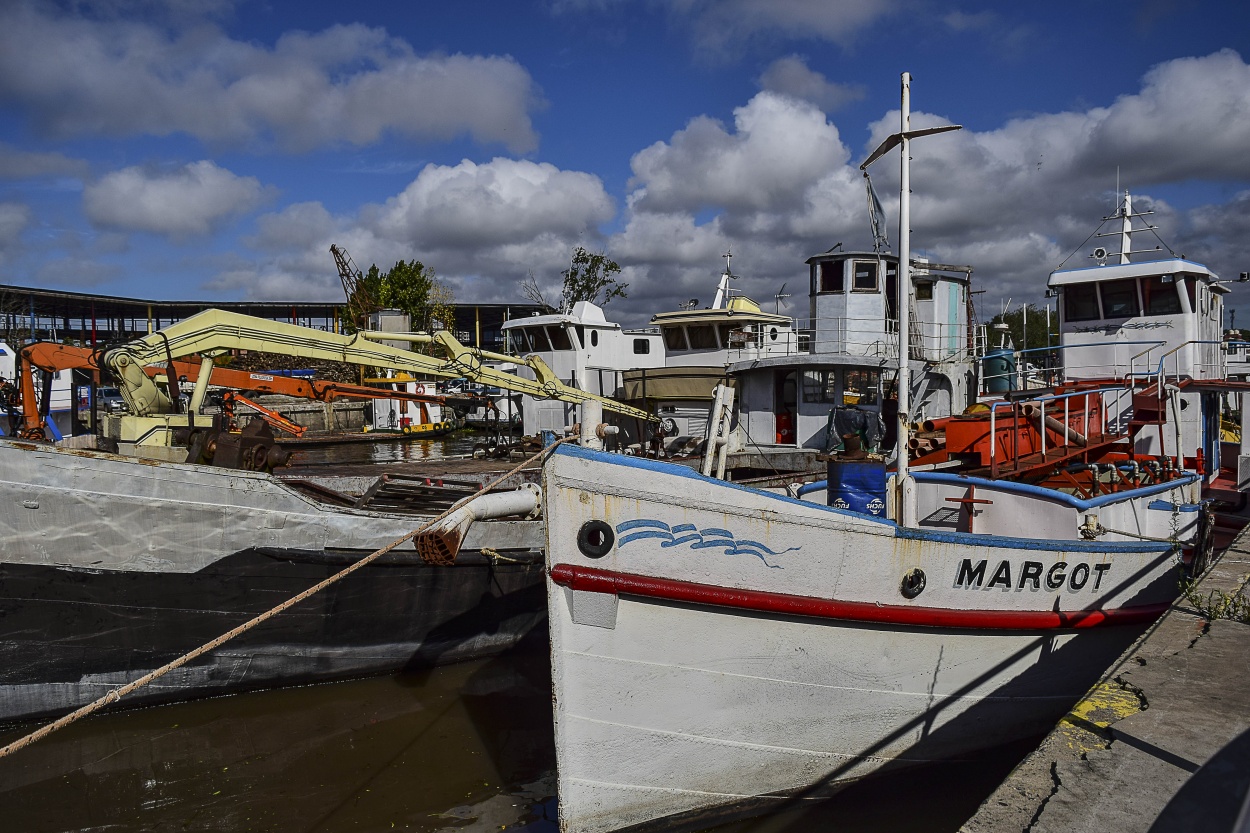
x=117 y=693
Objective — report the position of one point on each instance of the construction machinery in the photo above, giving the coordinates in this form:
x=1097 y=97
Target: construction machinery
x=156 y=412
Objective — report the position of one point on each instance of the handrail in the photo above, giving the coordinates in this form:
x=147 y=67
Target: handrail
x=1054 y=494
x=1042 y=400
x=1180 y=347
x=1061 y=348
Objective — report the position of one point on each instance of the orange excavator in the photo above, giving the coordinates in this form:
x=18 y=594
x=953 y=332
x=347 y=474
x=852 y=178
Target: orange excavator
x=52 y=357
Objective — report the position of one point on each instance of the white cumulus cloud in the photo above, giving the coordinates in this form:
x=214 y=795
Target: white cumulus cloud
x=180 y=203
x=348 y=83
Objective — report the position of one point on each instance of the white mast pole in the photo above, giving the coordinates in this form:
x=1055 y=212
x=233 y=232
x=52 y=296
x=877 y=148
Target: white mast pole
x=906 y=488
x=905 y=505
x=1126 y=229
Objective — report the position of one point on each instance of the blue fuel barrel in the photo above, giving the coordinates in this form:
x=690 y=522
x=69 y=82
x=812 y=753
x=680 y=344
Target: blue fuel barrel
x=858 y=486
x=999 y=367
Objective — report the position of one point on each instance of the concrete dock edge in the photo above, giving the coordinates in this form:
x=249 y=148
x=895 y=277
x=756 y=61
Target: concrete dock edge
x=1161 y=744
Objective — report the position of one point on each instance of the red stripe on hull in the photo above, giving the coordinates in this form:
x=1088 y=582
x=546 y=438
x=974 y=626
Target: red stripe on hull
x=606 y=581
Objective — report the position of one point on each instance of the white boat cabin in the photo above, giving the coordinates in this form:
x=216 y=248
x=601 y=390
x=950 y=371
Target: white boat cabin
x=583 y=349
x=849 y=355
x=1155 y=321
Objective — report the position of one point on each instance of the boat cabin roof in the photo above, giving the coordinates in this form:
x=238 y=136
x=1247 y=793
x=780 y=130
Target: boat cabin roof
x=583 y=313
x=1120 y=271
x=741 y=311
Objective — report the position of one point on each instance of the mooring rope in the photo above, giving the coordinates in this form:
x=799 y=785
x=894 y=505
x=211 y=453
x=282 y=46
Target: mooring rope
x=117 y=693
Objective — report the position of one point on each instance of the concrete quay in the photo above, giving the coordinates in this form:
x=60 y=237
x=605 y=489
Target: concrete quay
x=1162 y=744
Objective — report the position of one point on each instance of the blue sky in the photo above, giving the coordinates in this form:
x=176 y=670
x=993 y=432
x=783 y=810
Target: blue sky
x=209 y=149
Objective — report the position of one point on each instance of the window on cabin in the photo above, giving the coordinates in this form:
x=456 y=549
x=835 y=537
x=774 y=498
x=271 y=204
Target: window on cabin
x=924 y=291
x=675 y=338
x=1119 y=298
x=1160 y=294
x=865 y=279
x=1080 y=302
x=538 y=338
x=831 y=276
x=642 y=346
x=519 y=341
x=1190 y=282
x=559 y=338
x=820 y=386
x=581 y=335
x=860 y=386
x=702 y=337
x=594 y=338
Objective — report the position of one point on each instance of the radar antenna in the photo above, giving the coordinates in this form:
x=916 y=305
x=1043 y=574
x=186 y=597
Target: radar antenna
x=779 y=297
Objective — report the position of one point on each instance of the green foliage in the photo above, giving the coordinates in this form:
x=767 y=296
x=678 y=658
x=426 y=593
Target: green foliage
x=1217 y=604
x=408 y=286
x=590 y=276
x=1037 y=328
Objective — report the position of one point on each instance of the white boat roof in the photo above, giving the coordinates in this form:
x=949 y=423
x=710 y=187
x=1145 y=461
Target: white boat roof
x=1117 y=271
x=583 y=312
x=740 y=310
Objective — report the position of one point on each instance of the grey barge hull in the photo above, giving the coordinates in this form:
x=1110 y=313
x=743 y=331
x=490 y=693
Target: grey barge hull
x=112 y=566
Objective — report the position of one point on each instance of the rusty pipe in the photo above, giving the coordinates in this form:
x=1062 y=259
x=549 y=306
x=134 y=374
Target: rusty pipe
x=1032 y=411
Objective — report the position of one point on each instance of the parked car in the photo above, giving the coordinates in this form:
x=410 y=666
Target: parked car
x=110 y=401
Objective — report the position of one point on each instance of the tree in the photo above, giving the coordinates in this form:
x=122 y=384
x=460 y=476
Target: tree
x=530 y=291
x=411 y=287
x=588 y=277
x=1038 y=333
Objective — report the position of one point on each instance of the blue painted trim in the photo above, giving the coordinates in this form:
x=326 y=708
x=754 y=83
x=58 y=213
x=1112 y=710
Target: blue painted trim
x=570 y=450
x=978 y=539
x=1051 y=494
x=940 y=536
x=1168 y=506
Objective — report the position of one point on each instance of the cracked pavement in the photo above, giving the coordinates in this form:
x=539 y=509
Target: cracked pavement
x=1162 y=744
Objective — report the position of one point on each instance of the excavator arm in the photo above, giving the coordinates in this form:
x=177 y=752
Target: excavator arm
x=50 y=357
x=214 y=331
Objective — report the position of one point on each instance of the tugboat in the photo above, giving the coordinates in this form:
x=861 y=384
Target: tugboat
x=719 y=649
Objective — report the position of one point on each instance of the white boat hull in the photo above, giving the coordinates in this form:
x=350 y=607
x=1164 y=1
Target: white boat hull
x=731 y=649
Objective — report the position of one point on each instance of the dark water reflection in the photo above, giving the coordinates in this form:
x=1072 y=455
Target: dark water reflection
x=464 y=747
x=459 y=444
x=467 y=747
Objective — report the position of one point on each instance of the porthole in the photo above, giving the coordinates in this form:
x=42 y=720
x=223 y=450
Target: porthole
x=595 y=539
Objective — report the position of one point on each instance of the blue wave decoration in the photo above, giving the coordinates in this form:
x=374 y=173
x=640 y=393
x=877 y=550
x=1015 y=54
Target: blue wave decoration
x=689 y=535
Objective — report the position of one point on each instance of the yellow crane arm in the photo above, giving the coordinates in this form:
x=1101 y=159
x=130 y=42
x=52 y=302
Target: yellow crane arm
x=214 y=331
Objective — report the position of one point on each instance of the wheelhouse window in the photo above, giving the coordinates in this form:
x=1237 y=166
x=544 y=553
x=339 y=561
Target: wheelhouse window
x=675 y=338
x=1161 y=295
x=702 y=337
x=538 y=339
x=642 y=346
x=831 y=276
x=865 y=279
x=820 y=386
x=1119 y=298
x=731 y=336
x=559 y=338
x=1080 y=302
x=520 y=340
x=924 y=291
x=860 y=387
